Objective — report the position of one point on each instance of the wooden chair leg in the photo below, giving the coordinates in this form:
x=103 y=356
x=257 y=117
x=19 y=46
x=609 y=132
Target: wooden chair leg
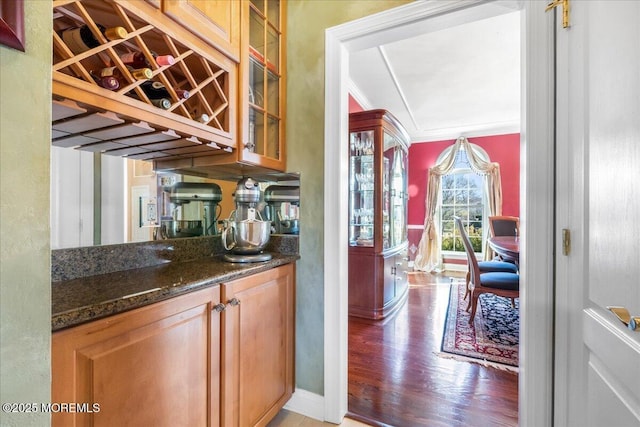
x=468 y=279
x=474 y=307
x=513 y=303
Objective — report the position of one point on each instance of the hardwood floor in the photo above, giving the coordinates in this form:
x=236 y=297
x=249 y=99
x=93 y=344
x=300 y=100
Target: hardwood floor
x=397 y=379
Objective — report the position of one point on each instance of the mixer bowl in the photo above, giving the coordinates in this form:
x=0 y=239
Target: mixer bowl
x=246 y=237
x=181 y=228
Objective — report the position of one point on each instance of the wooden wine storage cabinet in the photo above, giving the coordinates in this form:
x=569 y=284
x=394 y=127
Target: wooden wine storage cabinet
x=124 y=122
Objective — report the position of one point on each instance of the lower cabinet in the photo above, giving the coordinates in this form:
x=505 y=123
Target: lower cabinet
x=258 y=327
x=378 y=285
x=218 y=356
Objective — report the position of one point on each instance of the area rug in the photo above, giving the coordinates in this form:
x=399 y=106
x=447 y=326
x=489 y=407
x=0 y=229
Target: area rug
x=492 y=340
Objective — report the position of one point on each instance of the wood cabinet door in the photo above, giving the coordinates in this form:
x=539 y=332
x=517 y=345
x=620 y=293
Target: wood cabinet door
x=258 y=346
x=215 y=21
x=389 y=280
x=146 y=367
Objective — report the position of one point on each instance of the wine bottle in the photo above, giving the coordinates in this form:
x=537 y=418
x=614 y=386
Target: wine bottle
x=138 y=74
x=157 y=90
x=163 y=103
x=135 y=59
x=107 y=82
x=139 y=60
x=81 y=39
x=202 y=118
x=182 y=93
x=163 y=60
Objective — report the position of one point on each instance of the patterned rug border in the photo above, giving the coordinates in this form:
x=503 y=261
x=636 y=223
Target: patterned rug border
x=448 y=348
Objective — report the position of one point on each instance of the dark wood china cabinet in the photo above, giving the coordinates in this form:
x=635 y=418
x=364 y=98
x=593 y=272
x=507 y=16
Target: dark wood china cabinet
x=378 y=149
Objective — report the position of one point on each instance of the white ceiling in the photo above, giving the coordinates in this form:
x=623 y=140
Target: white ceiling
x=463 y=80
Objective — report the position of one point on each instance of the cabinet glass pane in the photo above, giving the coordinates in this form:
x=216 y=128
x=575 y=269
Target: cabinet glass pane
x=259 y=4
x=273 y=137
x=256 y=34
x=361 y=143
x=394 y=155
x=273 y=49
x=361 y=189
x=398 y=196
x=256 y=131
x=273 y=94
x=273 y=13
x=386 y=206
x=256 y=83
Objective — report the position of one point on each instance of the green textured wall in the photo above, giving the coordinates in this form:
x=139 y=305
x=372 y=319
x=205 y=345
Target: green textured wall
x=25 y=284
x=25 y=86
x=307 y=21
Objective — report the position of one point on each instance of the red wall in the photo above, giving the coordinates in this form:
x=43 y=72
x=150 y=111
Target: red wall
x=354 y=107
x=504 y=149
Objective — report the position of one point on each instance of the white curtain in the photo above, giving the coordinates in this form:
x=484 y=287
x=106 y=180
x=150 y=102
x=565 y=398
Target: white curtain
x=429 y=257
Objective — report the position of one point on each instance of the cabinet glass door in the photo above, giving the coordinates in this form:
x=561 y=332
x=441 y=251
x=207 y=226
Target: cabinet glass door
x=361 y=188
x=265 y=82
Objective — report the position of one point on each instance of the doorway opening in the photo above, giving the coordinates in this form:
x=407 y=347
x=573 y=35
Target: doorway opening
x=395 y=25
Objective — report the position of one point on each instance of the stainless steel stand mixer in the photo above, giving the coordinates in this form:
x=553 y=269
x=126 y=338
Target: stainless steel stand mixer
x=245 y=233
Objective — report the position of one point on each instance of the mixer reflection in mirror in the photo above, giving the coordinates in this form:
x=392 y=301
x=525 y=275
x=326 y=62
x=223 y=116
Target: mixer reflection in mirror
x=189 y=209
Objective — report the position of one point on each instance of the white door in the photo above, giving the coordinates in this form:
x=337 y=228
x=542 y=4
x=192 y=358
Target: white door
x=597 y=372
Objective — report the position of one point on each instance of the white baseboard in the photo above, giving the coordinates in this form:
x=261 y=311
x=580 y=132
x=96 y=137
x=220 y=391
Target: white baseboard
x=306 y=403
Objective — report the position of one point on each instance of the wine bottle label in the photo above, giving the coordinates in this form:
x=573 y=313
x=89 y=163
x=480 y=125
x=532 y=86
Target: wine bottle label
x=74 y=40
x=128 y=58
x=109 y=71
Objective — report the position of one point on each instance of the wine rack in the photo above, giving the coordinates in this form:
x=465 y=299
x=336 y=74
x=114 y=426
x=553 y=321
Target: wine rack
x=125 y=121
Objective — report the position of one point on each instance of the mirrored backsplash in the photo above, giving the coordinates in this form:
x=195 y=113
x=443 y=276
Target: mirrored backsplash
x=98 y=200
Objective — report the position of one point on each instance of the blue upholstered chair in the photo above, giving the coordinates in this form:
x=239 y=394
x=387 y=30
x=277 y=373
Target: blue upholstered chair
x=499 y=226
x=489 y=267
x=505 y=284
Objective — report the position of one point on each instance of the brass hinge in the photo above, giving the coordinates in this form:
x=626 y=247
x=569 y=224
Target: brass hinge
x=566 y=241
x=565 y=10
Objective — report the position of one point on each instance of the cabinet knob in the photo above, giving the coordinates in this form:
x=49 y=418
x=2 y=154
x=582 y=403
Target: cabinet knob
x=233 y=302
x=219 y=307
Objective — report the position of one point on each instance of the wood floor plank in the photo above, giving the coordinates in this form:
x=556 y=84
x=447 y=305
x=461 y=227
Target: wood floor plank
x=397 y=379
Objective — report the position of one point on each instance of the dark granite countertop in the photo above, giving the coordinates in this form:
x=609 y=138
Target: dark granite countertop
x=89 y=298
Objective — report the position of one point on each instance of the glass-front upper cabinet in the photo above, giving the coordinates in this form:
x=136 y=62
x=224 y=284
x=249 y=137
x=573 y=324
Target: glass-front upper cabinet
x=378 y=147
x=263 y=136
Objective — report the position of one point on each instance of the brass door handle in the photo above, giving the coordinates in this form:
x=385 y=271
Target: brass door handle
x=631 y=322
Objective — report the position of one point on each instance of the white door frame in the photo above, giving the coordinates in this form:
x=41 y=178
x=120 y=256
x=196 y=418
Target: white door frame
x=537 y=184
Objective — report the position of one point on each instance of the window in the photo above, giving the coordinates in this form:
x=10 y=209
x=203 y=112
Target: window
x=462 y=193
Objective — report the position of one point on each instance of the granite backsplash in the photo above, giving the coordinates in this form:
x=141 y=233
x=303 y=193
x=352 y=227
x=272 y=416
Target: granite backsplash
x=69 y=264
